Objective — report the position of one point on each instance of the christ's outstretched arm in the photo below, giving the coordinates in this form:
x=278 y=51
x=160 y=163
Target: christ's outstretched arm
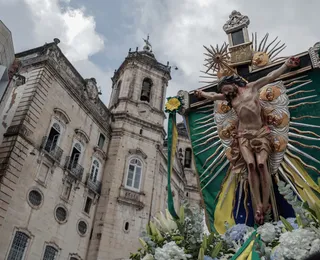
x=209 y=95
x=272 y=76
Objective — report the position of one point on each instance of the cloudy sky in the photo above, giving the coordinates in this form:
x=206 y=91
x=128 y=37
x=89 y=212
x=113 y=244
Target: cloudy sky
x=96 y=34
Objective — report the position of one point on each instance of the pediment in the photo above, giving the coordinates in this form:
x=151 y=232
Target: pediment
x=63 y=116
x=82 y=136
x=98 y=152
x=138 y=151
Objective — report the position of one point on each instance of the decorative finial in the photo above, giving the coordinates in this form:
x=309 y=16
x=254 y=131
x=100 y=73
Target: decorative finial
x=56 y=41
x=236 y=22
x=147 y=46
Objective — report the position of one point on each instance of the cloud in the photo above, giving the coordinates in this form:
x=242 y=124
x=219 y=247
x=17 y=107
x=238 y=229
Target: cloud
x=179 y=29
x=44 y=20
x=79 y=40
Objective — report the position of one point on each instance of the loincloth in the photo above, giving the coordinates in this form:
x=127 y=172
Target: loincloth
x=255 y=140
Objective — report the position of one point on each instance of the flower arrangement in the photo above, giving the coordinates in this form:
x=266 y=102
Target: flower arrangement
x=184 y=239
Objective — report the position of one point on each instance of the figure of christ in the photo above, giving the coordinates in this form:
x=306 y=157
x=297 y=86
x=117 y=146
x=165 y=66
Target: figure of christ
x=252 y=135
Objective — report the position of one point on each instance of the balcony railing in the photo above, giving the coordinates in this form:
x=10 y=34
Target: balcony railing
x=74 y=168
x=94 y=185
x=52 y=149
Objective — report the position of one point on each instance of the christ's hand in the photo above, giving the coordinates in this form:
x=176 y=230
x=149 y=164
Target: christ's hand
x=199 y=93
x=292 y=62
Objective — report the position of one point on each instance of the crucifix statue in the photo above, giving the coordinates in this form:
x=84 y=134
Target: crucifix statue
x=251 y=141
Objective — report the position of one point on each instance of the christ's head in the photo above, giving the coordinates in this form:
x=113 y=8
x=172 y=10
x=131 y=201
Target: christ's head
x=229 y=86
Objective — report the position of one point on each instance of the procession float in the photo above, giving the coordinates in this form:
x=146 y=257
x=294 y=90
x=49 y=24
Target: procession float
x=255 y=133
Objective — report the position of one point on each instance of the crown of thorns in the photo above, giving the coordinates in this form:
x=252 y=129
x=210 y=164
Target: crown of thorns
x=234 y=79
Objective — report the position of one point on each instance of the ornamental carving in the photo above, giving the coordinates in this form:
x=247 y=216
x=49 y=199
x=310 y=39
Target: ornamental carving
x=98 y=152
x=186 y=101
x=54 y=54
x=91 y=88
x=236 y=22
x=241 y=53
x=18 y=79
x=131 y=198
x=314 y=53
x=138 y=151
x=16 y=65
x=18 y=130
x=59 y=62
x=75 y=255
x=62 y=116
x=82 y=136
x=131 y=195
x=51 y=54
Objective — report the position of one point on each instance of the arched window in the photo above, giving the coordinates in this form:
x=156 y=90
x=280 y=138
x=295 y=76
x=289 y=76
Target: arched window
x=117 y=91
x=18 y=246
x=101 y=141
x=50 y=253
x=187 y=158
x=94 y=170
x=75 y=155
x=134 y=174
x=146 y=90
x=115 y=94
x=77 y=146
x=74 y=256
x=53 y=137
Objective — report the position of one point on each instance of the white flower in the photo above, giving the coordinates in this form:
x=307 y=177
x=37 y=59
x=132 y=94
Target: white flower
x=315 y=246
x=268 y=232
x=165 y=223
x=148 y=257
x=294 y=245
x=170 y=251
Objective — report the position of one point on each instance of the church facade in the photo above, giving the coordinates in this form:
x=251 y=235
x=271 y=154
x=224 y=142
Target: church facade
x=80 y=180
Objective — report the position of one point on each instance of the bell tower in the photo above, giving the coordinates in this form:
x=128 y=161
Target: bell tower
x=139 y=86
x=131 y=193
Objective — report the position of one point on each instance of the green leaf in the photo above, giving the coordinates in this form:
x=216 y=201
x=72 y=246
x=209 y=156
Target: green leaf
x=216 y=249
x=299 y=221
x=181 y=215
x=148 y=230
x=317 y=211
x=153 y=229
x=204 y=242
x=201 y=254
x=143 y=243
x=211 y=238
x=177 y=238
x=305 y=205
x=160 y=237
x=286 y=224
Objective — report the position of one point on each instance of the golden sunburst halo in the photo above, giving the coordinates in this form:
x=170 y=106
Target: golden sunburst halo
x=216 y=62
